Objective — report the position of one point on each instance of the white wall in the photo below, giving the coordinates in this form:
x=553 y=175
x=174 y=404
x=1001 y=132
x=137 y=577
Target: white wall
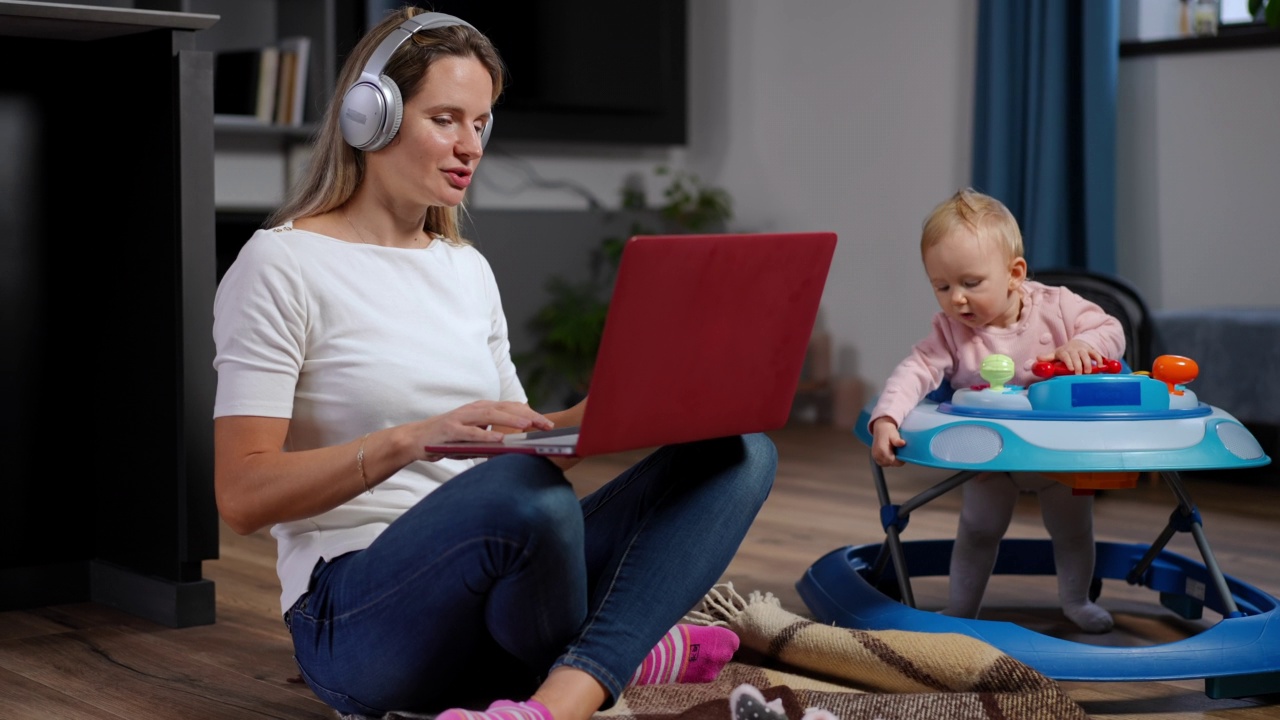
x=852 y=117
x=1198 y=171
x=857 y=117
x=831 y=115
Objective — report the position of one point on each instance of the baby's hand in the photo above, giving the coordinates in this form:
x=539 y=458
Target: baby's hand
x=884 y=440
x=1077 y=355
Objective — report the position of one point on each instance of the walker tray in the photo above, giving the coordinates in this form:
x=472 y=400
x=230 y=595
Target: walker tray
x=1074 y=423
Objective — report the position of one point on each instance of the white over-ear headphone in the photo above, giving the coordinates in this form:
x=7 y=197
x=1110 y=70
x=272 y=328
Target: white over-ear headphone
x=372 y=107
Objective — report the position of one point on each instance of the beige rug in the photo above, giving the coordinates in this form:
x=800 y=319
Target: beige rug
x=854 y=674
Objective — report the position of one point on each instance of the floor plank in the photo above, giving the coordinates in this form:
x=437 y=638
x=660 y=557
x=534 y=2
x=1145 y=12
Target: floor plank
x=147 y=672
x=23 y=698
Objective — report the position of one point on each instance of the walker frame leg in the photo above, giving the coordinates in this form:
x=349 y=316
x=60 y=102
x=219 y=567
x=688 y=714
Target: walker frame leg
x=1186 y=518
x=894 y=519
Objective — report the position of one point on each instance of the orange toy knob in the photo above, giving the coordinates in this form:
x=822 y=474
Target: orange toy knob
x=1174 y=370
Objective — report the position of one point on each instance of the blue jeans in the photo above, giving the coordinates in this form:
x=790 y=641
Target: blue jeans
x=502 y=573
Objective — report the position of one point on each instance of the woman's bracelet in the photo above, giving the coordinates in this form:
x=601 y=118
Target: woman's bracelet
x=360 y=465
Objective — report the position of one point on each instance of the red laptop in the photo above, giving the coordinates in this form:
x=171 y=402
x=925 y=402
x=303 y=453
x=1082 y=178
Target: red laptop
x=705 y=337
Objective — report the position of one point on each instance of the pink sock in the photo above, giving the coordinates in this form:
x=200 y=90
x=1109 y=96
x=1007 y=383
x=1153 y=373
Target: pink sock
x=687 y=653
x=502 y=710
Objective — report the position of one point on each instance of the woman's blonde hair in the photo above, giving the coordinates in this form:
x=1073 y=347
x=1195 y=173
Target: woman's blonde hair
x=983 y=215
x=336 y=169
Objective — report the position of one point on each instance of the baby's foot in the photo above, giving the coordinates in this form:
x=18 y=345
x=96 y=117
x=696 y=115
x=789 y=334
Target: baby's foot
x=1090 y=617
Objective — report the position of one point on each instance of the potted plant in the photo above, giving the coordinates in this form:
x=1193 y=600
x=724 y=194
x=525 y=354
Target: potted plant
x=568 y=328
x=1272 y=11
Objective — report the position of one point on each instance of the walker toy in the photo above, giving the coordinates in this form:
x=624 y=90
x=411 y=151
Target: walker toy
x=1099 y=430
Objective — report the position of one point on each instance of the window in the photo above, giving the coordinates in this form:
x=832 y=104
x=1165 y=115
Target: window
x=1235 y=12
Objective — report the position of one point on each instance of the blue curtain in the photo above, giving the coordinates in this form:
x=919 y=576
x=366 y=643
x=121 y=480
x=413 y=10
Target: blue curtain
x=1044 y=124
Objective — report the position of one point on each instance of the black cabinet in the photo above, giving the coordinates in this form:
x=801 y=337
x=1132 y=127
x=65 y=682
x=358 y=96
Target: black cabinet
x=108 y=256
x=259 y=161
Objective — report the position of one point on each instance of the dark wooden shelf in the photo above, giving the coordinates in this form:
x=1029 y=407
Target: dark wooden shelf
x=229 y=126
x=1230 y=37
x=83 y=23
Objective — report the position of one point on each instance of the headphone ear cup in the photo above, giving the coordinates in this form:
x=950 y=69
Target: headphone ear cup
x=361 y=115
x=395 y=110
x=371 y=114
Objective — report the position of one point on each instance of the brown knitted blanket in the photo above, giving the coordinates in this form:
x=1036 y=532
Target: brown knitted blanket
x=854 y=674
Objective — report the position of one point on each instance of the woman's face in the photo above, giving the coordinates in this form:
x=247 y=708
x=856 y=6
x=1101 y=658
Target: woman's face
x=433 y=155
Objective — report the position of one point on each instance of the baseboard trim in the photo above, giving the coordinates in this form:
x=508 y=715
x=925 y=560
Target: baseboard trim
x=170 y=603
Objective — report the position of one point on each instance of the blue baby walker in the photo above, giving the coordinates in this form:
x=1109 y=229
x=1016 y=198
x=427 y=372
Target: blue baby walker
x=1093 y=431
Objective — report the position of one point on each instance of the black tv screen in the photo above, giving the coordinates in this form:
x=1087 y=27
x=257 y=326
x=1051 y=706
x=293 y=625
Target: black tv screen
x=597 y=71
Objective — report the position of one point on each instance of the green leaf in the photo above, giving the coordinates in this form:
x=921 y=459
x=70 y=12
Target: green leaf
x=1254 y=6
x=632 y=198
x=1273 y=13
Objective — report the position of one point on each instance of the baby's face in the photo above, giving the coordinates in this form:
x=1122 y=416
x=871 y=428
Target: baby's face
x=973 y=280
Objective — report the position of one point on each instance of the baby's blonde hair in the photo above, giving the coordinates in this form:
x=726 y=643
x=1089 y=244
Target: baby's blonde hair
x=982 y=214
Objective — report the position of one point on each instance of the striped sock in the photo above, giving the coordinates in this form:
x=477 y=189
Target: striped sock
x=689 y=654
x=502 y=710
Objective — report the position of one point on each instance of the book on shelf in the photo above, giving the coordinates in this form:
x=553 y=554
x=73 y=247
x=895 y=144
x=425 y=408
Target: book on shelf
x=268 y=79
x=265 y=86
x=284 y=88
x=295 y=53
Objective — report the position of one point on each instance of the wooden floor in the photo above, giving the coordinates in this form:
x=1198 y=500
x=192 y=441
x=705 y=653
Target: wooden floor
x=86 y=661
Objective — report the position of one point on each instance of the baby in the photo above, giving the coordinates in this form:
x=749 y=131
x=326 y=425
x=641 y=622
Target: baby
x=972 y=253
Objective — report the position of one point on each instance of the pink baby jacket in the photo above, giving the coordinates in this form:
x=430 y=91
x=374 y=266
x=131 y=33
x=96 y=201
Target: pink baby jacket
x=1050 y=317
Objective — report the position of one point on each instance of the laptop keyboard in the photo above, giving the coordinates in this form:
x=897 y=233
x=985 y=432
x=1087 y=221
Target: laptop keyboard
x=555 y=436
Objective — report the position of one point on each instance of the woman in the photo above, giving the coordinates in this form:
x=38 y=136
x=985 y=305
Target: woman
x=360 y=328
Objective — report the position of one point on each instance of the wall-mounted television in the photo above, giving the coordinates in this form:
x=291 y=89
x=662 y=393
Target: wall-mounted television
x=583 y=71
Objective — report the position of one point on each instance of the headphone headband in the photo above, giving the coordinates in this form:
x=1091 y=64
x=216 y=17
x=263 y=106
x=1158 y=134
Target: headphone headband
x=392 y=42
x=372 y=108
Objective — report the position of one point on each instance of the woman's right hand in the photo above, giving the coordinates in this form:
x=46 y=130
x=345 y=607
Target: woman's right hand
x=884 y=441
x=258 y=483
x=476 y=422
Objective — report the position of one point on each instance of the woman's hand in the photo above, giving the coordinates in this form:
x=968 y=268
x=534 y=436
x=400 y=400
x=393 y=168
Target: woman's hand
x=884 y=440
x=257 y=483
x=1077 y=355
x=480 y=421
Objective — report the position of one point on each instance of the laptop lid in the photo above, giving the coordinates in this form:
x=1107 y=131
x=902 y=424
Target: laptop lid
x=705 y=337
